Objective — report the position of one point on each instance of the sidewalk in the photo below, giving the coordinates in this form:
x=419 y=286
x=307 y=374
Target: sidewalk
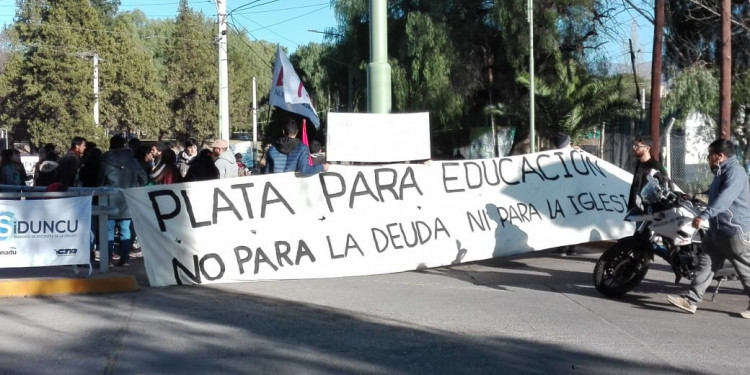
x=64 y=280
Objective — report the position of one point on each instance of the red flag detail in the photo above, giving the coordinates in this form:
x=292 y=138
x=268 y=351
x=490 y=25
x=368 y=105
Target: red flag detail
x=280 y=81
x=305 y=141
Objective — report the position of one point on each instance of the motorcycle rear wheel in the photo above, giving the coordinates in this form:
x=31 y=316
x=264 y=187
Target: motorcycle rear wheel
x=622 y=267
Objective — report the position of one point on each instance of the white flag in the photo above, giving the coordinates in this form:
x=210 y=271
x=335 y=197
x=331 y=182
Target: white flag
x=287 y=91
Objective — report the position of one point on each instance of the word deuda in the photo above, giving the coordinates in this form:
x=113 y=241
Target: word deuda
x=213 y=266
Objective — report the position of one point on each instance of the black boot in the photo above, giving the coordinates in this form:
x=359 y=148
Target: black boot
x=124 y=252
x=111 y=248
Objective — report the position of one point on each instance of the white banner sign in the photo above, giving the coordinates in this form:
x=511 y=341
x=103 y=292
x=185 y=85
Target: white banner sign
x=45 y=232
x=361 y=220
x=368 y=137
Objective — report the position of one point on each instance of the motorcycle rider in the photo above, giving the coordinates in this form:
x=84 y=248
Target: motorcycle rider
x=728 y=237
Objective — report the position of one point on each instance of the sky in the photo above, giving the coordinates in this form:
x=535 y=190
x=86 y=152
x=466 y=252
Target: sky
x=285 y=22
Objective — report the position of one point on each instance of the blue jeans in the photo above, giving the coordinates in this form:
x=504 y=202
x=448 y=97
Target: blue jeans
x=124 y=226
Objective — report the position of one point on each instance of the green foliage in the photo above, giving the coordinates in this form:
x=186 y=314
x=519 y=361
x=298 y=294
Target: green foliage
x=191 y=77
x=576 y=102
x=247 y=59
x=694 y=90
x=46 y=89
x=132 y=102
x=309 y=65
x=158 y=77
x=429 y=58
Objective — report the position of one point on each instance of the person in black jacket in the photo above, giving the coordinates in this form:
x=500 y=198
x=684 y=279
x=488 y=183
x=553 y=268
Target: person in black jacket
x=120 y=169
x=645 y=163
x=202 y=167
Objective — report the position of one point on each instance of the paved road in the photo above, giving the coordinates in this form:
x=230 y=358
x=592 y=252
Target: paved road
x=530 y=314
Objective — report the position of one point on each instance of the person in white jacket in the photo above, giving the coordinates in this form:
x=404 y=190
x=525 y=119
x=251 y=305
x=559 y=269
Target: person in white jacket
x=224 y=159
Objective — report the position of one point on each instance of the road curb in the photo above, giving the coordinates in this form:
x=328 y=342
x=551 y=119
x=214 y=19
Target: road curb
x=35 y=287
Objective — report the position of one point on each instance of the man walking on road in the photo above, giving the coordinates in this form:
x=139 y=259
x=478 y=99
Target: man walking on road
x=728 y=238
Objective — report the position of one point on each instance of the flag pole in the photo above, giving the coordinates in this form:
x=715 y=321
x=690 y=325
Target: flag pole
x=532 y=89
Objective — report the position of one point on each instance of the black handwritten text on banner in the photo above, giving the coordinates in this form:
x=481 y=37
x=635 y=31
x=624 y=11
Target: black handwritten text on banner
x=358 y=220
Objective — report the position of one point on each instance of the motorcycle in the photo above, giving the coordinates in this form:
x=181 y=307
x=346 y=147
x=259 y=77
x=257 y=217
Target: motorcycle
x=664 y=228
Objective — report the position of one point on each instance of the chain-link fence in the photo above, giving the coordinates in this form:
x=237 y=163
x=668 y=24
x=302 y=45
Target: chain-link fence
x=691 y=174
x=687 y=163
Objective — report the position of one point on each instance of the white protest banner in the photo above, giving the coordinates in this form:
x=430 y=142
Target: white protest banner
x=29 y=162
x=287 y=90
x=371 y=137
x=45 y=232
x=361 y=220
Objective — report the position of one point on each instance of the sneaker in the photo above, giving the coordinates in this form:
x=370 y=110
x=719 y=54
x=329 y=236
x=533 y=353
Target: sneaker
x=745 y=314
x=683 y=303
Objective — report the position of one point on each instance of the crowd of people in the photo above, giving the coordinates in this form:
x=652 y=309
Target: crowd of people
x=130 y=163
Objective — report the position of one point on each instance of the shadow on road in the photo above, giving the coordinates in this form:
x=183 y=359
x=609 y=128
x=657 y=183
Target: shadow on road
x=207 y=330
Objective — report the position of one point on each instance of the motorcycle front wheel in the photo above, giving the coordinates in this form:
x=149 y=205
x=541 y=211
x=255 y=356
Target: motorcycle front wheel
x=622 y=267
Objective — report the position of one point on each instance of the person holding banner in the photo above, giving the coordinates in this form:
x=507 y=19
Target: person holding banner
x=289 y=154
x=120 y=170
x=562 y=142
x=224 y=162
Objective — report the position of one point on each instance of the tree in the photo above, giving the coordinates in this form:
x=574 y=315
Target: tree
x=424 y=83
x=247 y=59
x=133 y=99
x=576 y=102
x=191 y=77
x=46 y=89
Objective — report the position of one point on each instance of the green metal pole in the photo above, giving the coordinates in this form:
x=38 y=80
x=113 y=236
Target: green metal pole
x=378 y=70
x=532 y=89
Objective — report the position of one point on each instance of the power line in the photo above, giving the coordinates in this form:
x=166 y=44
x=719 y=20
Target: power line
x=232 y=24
x=268 y=27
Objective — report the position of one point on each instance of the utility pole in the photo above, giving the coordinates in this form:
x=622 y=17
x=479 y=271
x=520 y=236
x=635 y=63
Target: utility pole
x=656 y=77
x=256 y=146
x=221 y=7
x=532 y=86
x=96 y=89
x=725 y=95
x=95 y=59
x=378 y=70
